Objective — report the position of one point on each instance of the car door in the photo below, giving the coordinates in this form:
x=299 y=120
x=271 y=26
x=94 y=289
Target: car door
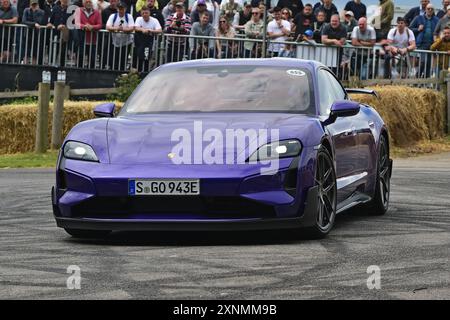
x=343 y=133
x=365 y=128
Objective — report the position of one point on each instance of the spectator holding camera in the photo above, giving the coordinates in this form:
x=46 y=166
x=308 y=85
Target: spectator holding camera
x=177 y=23
x=121 y=24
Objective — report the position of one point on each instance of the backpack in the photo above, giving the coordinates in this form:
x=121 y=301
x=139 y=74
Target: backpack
x=126 y=18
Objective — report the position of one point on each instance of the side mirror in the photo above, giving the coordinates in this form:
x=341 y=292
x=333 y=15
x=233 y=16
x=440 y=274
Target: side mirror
x=342 y=108
x=105 y=110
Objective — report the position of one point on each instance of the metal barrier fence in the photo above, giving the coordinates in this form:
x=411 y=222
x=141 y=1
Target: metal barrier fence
x=103 y=50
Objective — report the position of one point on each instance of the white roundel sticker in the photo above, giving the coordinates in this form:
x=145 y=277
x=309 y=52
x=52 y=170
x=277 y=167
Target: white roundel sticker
x=295 y=72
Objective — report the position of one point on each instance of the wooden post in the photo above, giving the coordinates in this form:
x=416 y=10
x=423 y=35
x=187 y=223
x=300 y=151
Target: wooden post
x=447 y=94
x=58 y=114
x=42 y=118
x=445 y=87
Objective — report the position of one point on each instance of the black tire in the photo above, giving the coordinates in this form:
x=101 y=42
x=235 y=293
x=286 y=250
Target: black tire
x=379 y=205
x=327 y=196
x=87 y=234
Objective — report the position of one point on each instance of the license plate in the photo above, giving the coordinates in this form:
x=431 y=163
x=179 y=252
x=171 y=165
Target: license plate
x=164 y=187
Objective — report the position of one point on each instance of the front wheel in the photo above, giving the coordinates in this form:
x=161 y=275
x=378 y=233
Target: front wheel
x=327 y=196
x=88 y=234
x=379 y=205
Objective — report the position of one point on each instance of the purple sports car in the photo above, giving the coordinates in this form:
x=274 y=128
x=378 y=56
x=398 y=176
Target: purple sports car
x=225 y=145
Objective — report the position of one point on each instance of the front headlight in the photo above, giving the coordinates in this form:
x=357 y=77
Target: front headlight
x=79 y=151
x=277 y=150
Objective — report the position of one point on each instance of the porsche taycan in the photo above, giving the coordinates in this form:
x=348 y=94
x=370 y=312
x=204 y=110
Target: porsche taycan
x=236 y=144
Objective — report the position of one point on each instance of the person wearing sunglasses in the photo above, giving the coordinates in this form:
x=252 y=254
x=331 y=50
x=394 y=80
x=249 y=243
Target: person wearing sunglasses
x=225 y=48
x=253 y=30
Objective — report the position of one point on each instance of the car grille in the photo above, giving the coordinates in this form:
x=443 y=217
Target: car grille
x=168 y=207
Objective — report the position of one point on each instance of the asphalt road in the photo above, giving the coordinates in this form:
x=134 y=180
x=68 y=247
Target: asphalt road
x=410 y=245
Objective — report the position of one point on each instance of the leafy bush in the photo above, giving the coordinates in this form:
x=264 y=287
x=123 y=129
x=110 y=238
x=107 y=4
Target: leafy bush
x=125 y=84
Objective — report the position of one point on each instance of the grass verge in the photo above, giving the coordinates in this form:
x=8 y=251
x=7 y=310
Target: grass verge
x=29 y=160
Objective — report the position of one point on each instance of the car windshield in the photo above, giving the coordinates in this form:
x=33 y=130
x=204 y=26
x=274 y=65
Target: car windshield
x=223 y=89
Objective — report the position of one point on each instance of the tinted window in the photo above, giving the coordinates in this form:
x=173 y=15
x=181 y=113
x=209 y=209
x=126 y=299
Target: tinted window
x=330 y=91
x=223 y=88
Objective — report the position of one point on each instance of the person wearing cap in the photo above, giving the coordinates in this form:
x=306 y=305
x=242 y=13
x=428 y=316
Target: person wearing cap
x=349 y=22
x=121 y=25
x=328 y=7
x=443 y=22
x=357 y=7
x=199 y=10
x=304 y=21
x=177 y=23
x=169 y=9
x=34 y=18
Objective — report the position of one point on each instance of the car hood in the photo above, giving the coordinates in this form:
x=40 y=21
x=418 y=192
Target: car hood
x=151 y=138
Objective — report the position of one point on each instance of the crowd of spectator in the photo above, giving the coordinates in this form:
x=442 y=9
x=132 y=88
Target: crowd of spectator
x=134 y=23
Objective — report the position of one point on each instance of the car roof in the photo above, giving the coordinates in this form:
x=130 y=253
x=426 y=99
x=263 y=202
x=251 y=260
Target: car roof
x=269 y=62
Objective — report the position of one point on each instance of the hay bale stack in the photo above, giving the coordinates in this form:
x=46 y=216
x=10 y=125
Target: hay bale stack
x=18 y=123
x=411 y=114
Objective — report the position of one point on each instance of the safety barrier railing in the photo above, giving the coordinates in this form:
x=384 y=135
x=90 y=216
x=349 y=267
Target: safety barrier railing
x=118 y=51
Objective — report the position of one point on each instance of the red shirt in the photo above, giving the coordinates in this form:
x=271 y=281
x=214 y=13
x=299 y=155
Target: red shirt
x=93 y=18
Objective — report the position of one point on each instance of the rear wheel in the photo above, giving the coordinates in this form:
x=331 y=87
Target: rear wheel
x=327 y=195
x=92 y=234
x=379 y=205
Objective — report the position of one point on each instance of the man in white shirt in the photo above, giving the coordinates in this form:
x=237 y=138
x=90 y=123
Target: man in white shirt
x=277 y=30
x=121 y=25
x=146 y=27
x=400 y=41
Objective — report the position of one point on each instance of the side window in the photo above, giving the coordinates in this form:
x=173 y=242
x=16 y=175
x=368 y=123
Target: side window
x=330 y=91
